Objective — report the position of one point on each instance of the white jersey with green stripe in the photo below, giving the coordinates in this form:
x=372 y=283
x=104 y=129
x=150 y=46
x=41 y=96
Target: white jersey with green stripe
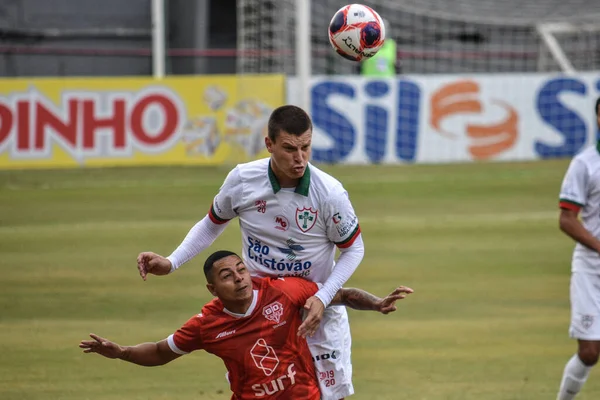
x=287 y=231
x=580 y=192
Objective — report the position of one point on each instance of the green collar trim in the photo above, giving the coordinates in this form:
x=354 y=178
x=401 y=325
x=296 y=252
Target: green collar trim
x=598 y=146
x=303 y=184
x=274 y=182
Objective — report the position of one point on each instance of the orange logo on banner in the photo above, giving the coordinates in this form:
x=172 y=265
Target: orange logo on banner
x=463 y=97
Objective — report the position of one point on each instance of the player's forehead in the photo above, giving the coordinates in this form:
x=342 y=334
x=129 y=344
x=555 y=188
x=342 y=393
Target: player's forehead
x=289 y=139
x=229 y=262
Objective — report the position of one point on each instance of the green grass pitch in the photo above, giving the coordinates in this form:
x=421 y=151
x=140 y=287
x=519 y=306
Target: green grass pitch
x=479 y=243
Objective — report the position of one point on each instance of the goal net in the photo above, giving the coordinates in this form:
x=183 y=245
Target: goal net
x=569 y=47
x=444 y=106
x=433 y=36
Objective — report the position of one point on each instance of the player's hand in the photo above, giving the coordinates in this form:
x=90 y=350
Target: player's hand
x=152 y=263
x=388 y=303
x=102 y=346
x=315 y=309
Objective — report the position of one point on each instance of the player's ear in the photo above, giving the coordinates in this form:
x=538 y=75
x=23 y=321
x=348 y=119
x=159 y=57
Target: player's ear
x=269 y=144
x=211 y=289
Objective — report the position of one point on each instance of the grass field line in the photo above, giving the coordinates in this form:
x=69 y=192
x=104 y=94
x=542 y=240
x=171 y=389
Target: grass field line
x=128 y=184
x=200 y=181
x=456 y=220
x=177 y=183
x=465 y=219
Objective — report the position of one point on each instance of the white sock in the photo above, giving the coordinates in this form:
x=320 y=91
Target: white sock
x=574 y=376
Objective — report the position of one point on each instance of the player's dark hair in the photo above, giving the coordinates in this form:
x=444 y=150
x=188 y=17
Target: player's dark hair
x=212 y=259
x=290 y=119
x=597 y=105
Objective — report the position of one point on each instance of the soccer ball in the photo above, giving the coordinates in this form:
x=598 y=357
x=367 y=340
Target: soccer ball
x=356 y=32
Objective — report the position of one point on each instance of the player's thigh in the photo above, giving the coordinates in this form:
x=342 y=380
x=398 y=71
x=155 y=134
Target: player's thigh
x=585 y=306
x=331 y=351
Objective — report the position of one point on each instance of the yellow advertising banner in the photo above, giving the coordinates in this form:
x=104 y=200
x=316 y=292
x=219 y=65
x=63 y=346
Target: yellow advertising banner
x=72 y=122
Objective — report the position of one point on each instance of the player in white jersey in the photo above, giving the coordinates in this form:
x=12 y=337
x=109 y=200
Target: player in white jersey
x=580 y=196
x=292 y=217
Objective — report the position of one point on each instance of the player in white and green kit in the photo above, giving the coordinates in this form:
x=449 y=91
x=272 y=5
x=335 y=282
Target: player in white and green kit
x=580 y=220
x=292 y=218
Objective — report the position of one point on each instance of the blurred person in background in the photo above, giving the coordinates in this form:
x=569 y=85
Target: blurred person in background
x=580 y=197
x=385 y=62
x=251 y=325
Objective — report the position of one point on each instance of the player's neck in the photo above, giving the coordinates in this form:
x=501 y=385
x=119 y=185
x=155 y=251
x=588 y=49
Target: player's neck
x=288 y=183
x=283 y=180
x=239 y=307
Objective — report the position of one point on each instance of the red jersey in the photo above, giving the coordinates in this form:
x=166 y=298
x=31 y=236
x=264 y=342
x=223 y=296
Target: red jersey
x=262 y=352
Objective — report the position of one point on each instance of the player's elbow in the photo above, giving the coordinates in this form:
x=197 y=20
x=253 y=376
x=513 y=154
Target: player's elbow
x=164 y=354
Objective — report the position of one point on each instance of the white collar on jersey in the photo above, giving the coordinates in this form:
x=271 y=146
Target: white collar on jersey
x=250 y=309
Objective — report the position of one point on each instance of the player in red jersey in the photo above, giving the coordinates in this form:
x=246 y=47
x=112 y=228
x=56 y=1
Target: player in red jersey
x=252 y=325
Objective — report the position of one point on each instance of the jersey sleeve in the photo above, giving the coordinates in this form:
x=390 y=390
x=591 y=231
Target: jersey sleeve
x=573 y=192
x=298 y=290
x=340 y=219
x=187 y=338
x=225 y=204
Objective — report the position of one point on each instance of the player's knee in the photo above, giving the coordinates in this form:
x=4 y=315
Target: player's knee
x=589 y=355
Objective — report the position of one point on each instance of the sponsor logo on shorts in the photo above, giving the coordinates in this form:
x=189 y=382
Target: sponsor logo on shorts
x=334 y=355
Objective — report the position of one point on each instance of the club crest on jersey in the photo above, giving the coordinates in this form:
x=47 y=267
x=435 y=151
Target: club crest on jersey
x=306 y=218
x=273 y=312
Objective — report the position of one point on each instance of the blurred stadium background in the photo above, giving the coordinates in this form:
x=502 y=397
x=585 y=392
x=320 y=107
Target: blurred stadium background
x=107 y=149
x=93 y=38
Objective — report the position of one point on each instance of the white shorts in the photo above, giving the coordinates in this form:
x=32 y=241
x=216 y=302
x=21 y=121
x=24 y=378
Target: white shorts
x=585 y=306
x=330 y=347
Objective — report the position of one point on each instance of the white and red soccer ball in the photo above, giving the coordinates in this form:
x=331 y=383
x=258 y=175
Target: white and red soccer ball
x=356 y=32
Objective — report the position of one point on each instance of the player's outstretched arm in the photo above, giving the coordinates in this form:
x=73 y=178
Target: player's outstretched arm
x=202 y=234
x=144 y=354
x=362 y=300
x=199 y=238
